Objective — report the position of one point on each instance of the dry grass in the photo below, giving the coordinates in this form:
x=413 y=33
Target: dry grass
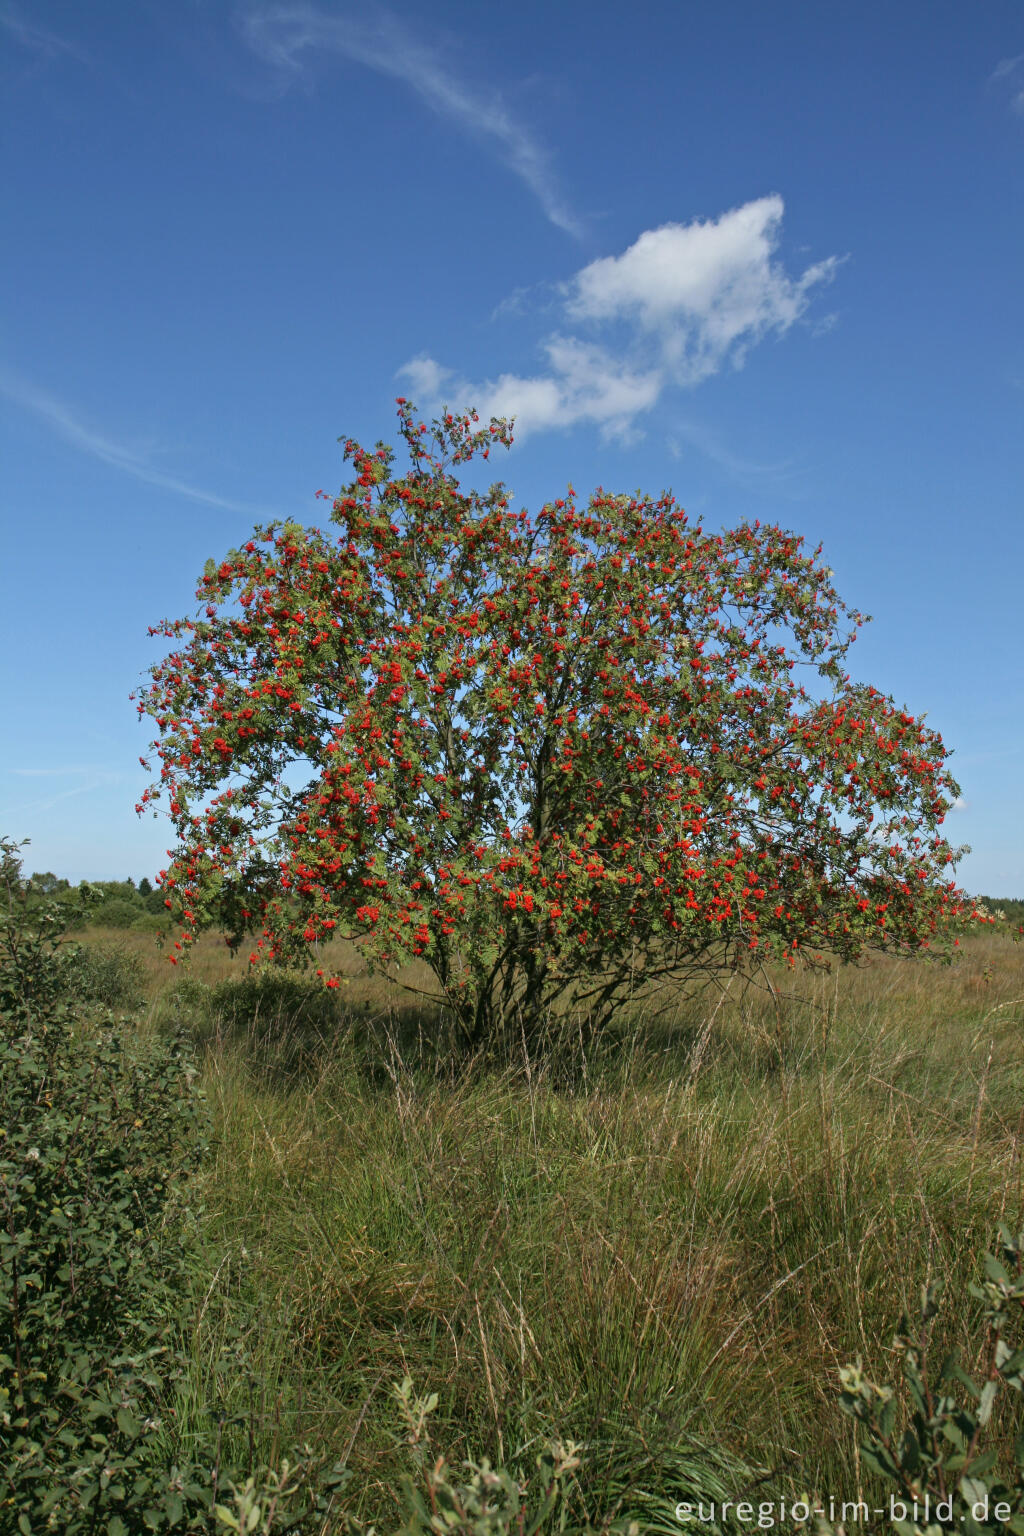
x=670 y=1239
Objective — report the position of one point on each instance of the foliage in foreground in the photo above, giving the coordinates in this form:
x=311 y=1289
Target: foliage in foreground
x=929 y=1441
x=109 y=1331
x=95 y=1131
x=551 y=756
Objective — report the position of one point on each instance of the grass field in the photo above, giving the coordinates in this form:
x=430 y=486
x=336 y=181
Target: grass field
x=663 y=1245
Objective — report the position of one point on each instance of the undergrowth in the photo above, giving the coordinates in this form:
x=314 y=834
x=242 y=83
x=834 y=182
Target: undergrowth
x=665 y=1243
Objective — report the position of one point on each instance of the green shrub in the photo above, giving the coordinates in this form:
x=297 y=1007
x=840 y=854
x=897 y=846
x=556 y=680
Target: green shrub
x=91 y=1133
x=108 y=974
x=116 y=913
x=278 y=999
x=187 y=1003
x=89 y=1273
x=150 y=922
x=933 y=1442
x=98 y=1134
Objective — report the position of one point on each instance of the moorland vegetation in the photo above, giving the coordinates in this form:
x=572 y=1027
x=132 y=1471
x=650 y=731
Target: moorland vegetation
x=588 y=1087
x=644 y=1259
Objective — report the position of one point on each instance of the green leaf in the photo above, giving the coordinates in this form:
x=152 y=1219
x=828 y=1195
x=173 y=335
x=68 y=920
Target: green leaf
x=988 y=1397
x=879 y=1459
x=1011 y=1366
x=973 y=1490
x=910 y=1453
x=995 y=1270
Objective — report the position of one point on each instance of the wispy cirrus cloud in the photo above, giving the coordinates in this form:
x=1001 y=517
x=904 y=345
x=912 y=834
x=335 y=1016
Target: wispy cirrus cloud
x=38 y=40
x=680 y=304
x=287 y=35
x=69 y=426
x=62 y=772
x=1013 y=70
x=778 y=475
x=93 y=779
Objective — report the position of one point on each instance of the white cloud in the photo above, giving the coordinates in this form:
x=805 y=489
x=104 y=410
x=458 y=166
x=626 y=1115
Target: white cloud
x=705 y=289
x=283 y=34
x=682 y=302
x=426 y=378
x=63 y=421
x=584 y=383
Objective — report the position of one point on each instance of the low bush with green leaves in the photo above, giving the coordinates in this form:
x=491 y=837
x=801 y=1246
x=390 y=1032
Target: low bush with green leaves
x=149 y=922
x=932 y=1443
x=91 y=1133
x=99 y=1130
x=481 y=1500
x=110 y=975
x=275 y=1000
x=116 y=913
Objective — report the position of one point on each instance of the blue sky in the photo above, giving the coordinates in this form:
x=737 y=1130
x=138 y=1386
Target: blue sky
x=767 y=256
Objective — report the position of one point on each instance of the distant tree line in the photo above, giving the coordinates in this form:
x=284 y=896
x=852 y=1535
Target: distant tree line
x=142 y=906
x=102 y=903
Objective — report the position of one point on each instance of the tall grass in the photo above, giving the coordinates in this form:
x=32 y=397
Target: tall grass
x=662 y=1243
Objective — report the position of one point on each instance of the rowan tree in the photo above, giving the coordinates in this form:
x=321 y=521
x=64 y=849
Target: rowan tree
x=572 y=755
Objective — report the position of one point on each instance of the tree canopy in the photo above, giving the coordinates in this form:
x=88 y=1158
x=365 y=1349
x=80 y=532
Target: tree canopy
x=568 y=755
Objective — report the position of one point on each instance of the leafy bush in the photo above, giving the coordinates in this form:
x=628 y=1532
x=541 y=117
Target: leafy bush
x=91 y=1132
x=116 y=913
x=150 y=922
x=88 y=1273
x=108 y=974
x=274 y=998
x=94 y=1293
x=930 y=1441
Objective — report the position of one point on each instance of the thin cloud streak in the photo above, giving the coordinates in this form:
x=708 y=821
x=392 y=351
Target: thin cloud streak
x=283 y=34
x=66 y=425
x=52 y=773
x=99 y=778
x=742 y=471
x=40 y=807
x=37 y=39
